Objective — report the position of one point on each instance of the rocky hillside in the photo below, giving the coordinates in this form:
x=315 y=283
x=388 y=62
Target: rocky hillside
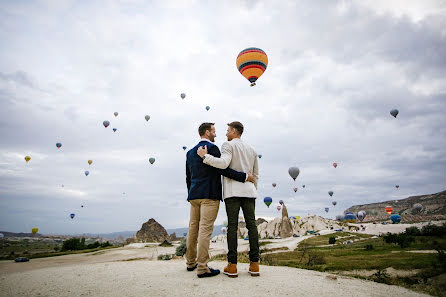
x=434 y=209
x=274 y=228
x=151 y=231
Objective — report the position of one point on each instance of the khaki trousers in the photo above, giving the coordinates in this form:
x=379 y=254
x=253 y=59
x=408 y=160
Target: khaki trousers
x=203 y=213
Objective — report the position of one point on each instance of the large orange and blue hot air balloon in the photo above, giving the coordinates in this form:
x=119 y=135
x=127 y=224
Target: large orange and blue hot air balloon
x=251 y=63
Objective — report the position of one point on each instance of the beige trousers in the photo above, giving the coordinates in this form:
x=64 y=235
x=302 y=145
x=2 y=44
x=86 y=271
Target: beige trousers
x=203 y=213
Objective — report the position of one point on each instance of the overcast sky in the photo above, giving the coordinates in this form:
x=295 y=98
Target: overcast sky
x=336 y=69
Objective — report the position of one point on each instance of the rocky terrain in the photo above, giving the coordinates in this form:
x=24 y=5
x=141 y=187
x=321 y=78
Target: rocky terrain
x=306 y=224
x=151 y=231
x=434 y=209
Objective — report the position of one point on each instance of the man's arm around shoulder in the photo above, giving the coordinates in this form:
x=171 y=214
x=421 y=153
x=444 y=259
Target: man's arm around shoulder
x=223 y=161
x=228 y=172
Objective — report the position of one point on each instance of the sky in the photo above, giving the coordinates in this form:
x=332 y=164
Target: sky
x=335 y=70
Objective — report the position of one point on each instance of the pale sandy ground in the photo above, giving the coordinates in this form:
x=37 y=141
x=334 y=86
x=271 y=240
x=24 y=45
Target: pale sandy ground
x=170 y=278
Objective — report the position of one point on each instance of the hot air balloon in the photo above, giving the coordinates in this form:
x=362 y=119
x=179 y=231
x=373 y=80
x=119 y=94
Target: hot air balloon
x=224 y=230
x=82 y=206
x=72 y=215
x=106 y=123
x=395 y=218
x=260 y=156
x=183 y=95
x=87 y=173
x=34 y=230
x=417 y=207
x=397 y=186
x=293 y=172
x=326 y=209
x=147 y=117
x=184 y=148
x=268 y=201
x=350 y=217
x=115 y=113
x=331 y=193
x=303 y=186
x=152 y=160
x=89 y=162
x=334 y=203
x=114 y=129
x=274 y=185
x=280 y=202
x=389 y=209
x=297 y=217
x=339 y=218
x=207 y=108
x=361 y=213
x=27 y=158
x=335 y=164
x=59 y=145
x=278 y=207
x=394 y=112
x=295 y=190
x=251 y=63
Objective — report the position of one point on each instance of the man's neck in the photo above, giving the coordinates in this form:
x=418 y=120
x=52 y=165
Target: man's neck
x=204 y=138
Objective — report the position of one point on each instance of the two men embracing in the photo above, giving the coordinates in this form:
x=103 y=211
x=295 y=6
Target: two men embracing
x=238 y=163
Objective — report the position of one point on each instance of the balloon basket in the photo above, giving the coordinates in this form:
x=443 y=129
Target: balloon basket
x=253 y=84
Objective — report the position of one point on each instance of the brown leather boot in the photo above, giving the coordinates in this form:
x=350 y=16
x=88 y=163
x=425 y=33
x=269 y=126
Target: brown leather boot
x=254 y=268
x=231 y=270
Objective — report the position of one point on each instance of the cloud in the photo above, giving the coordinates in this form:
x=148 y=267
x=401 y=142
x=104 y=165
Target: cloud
x=335 y=71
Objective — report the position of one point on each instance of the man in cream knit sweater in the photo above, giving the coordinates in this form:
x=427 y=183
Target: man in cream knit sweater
x=239 y=156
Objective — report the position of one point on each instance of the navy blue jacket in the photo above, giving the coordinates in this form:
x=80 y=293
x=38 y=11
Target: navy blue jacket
x=204 y=181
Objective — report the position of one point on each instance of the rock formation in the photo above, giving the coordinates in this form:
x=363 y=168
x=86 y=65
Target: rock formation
x=273 y=228
x=434 y=209
x=260 y=220
x=151 y=231
x=286 y=229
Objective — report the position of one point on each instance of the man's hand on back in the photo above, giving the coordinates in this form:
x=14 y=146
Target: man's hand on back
x=250 y=178
x=202 y=151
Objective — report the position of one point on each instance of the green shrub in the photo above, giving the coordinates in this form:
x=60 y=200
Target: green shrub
x=433 y=230
x=332 y=240
x=414 y=231
x=165 y=257
x=402 y=239
x=94 y=245
x=369 y=247
x=181 y=249
x=105 y=244
x=316 y=259
x=73 y=244
x=381 y=276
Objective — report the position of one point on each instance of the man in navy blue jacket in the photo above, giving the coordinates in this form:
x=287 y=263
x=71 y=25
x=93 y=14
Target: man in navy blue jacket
x=204 y=195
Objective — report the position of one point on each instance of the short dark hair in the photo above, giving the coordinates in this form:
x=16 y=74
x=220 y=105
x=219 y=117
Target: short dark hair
x=237 y=126
x=204 y=127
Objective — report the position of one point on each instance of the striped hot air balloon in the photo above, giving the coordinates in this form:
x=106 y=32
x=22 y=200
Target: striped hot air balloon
x=251 y=63
x=389 y=209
